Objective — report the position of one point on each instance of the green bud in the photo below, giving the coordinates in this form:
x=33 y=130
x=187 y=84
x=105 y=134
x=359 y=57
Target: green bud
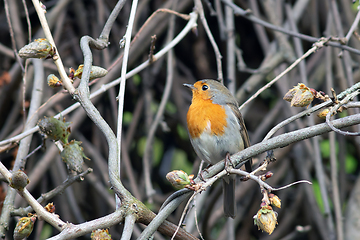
x=73 y=156
x=53 y=81
x=178 y=178
x=95 y=72
x=40 y=48
x=24 y=227
x=55 y=129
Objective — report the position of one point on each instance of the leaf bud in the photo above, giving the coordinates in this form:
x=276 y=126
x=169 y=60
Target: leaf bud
x=266 y=219
x=178 y=178
x=24 y=227
x=39 y=48
x=73 y=156
x=95 y=72
x=19 y=180
x=55 y=129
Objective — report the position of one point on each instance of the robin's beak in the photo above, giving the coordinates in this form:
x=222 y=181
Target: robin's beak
x=189 y=86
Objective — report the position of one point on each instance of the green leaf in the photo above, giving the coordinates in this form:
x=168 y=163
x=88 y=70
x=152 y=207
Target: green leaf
x=317 y=193
x=325 y=148
x=127 y=118
x=46 y=232
x=136 y=79
x=342 y=114
x=170 y=108
x=355 y=6
x=154 y=107
x=157 y=149
x=350 y=164
x=141 y=146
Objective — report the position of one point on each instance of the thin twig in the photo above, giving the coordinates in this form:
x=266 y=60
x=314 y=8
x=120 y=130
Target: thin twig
x=121 y=95
x=56 y=191
x=200 y=10
x=149 y=141
x=65 y=79
x=183 y=214
x=6 y=6
x=354 y=25
x=249 y=16
x=110 y=21
x=315 y=47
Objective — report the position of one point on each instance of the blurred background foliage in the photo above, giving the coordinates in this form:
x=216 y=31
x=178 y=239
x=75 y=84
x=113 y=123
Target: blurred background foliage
x=171 y=148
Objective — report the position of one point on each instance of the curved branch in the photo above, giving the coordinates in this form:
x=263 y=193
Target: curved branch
x=200 y=10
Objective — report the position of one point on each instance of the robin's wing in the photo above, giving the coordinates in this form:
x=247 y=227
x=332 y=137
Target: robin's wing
x=243 y=132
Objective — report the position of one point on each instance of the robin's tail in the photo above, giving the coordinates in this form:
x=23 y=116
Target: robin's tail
x=229 y=196
x=248 y=165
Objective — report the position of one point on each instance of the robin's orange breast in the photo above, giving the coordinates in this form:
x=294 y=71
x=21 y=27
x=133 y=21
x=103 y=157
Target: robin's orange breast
x=203 y=115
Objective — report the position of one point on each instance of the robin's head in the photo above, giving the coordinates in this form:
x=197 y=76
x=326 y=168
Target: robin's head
x=210 y=89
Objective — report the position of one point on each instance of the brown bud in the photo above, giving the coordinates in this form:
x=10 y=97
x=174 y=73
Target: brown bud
x=322 y=114
x=275 y=201
x=303 y=97
x=100 y=234
x=300 y=95
x=268 y=174
x=53 y=81
x=266 y=219
x=290 y=94
x=19 y=180
x=50 y=207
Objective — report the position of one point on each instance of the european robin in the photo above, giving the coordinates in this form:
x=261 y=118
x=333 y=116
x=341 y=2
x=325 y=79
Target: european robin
x=217 y=130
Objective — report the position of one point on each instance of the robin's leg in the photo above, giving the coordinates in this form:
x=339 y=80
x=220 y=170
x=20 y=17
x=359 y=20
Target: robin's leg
x=228 y=163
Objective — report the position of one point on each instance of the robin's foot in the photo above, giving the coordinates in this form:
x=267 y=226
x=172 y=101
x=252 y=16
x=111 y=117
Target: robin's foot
x=244 y=178
x=270 y=156
x=228 y=164
x=201 y=173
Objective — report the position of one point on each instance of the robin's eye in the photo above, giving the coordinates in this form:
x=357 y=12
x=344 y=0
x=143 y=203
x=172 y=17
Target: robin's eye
x=205 y=87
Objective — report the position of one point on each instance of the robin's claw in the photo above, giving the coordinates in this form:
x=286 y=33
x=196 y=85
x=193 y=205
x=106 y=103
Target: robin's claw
x=201 y=175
